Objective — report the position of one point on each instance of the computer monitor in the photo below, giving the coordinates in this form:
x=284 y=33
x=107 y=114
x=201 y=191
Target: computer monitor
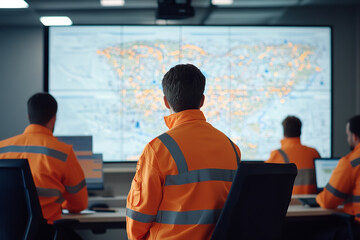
x=82 y=145
x=92 y=166
x=91 y=163
x=324 y=167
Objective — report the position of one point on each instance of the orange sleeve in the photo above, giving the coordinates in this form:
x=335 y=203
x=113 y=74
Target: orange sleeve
x=339 y=187
x=316 y=153
x=144 y=197
x=275 y=157
x=76 y=195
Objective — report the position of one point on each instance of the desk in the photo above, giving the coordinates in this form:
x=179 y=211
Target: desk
x=98 y=222
x=296 y=209
x=304 y=211
x=298 y=218
x=118 y=218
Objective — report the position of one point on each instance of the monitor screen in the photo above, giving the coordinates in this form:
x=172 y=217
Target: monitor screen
x=107 y=81
x=323 y=170
x=92 y=166
x=91 y=163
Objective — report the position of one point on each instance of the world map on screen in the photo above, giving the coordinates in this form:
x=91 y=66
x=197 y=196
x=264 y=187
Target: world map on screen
x=107 y=81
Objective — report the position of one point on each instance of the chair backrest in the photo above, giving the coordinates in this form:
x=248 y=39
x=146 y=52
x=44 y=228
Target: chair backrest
x=257 y=202
x=20 y=211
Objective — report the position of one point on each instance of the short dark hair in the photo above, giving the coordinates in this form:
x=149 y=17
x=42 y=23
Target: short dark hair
x=183 y=86
x=41 y=108
x=292 y=126
x=354 y=125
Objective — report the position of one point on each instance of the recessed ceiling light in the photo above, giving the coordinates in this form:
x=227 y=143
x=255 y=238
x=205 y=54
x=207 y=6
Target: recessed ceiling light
x=222 y=2
x=13 y=4
x=56 y=21
x=112 y=3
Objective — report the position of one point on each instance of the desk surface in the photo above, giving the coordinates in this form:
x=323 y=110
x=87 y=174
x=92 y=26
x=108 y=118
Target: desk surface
x=303 y=211
x=119 y=215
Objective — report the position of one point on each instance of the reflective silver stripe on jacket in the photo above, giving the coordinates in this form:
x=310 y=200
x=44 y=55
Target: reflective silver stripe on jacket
x=206 y=216
x=305 y=177
x=60 y=200
x=35 y=149
x=175 y=152
x=201 y=175
x=76 y=188
x=284 y=155
x=140 y=217
x=48 y=192
x=352 y=199
x=51 y=192
x=355 y=162
x=336 y=192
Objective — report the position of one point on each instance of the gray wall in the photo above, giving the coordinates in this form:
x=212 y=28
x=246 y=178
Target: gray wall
x=21 y=75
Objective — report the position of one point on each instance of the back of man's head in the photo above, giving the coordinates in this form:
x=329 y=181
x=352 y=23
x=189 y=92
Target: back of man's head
x=41 y=108
x=354 y=125
x=183 y=87
x=292 y=126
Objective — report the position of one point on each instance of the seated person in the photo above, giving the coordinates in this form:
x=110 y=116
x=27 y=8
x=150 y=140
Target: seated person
x=344 y=183
x=292 y=151
x=58 y=176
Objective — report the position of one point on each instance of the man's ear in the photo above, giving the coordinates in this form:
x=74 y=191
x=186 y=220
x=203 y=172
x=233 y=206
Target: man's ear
x=202 y=101
x=356 y=139
x=166 y=103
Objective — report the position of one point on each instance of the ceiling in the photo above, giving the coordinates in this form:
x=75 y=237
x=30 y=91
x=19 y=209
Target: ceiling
x=143 y=12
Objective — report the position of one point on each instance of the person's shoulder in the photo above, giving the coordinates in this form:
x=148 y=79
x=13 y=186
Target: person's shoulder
x=276 y=151
x=61 y=145
x=154 y=144
x=353 y=158
x=311 y=149
x=10 y=140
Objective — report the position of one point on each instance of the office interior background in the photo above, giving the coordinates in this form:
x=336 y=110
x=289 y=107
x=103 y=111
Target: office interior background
x=22 y=45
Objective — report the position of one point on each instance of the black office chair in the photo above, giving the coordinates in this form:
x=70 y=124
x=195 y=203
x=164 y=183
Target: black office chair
x=257 y=202
x=20 y=212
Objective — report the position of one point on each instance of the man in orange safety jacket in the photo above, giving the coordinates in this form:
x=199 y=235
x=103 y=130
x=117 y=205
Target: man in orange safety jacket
x=184 y=175
x=292 y=151
x=344 y=183
x=57 y=174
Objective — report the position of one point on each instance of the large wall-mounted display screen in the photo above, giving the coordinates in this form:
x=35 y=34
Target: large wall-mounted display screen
x=107 y=81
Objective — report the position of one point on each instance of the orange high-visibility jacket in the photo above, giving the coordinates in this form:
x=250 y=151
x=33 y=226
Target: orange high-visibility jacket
x=292 y=151
x=182 y=180
x=344 y=185
x=57 y=174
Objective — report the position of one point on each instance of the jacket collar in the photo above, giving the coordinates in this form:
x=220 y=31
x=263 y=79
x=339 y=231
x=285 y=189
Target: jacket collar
x=357 y=147
x=178 y=118
x=35 y=128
